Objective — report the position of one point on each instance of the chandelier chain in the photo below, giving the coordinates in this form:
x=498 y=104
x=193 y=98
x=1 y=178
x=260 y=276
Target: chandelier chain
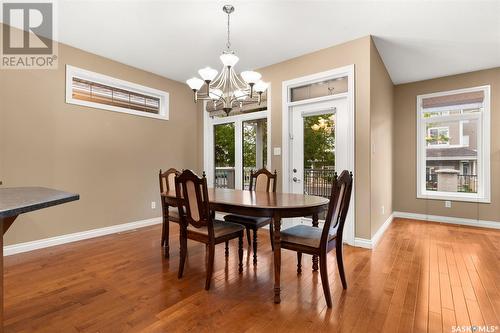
x=228 y=43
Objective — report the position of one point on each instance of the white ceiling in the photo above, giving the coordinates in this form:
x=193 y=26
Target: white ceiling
x=416 y=39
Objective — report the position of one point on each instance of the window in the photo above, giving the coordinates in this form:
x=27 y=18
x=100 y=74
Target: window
x=319 y=89
x=103 y=92
x=438 y=136
x=453 y=154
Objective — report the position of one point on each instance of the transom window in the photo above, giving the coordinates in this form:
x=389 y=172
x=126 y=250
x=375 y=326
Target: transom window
x=453 y=154
x=99 y=91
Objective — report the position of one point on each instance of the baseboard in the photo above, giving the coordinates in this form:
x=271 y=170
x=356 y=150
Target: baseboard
x=69 y=238
x=372 y=243
x=448 y=219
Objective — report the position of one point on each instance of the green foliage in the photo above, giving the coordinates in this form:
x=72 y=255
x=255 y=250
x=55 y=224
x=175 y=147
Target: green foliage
x=224 y=145
x=250 y=143
x=319 y=141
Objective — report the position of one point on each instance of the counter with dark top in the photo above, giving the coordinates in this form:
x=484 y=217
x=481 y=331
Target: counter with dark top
x=18 y=200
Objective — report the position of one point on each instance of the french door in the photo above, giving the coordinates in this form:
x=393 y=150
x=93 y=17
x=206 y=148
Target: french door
x=318 y=147
x=233 y=146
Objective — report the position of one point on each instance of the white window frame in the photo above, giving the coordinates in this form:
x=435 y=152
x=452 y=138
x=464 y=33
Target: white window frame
x=483 y=146
x=238 y=120
x=439 y=129
x=163 y=96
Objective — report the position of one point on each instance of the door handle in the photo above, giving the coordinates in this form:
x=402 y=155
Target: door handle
x=296 y=180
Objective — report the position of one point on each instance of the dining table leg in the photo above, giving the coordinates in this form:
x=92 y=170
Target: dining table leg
x=315 y=223
x=277 y=257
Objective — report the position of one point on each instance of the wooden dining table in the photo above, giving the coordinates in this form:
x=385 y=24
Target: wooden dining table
x=264 y=204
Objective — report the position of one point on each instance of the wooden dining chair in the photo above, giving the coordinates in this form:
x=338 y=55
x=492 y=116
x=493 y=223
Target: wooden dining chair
x=198 y=222
x=312 y=240
x=262 y=180
x=170 y=214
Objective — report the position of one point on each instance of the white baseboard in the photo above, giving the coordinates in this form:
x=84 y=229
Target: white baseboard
x=372 y=243
x=69 y=238
x=450 y=220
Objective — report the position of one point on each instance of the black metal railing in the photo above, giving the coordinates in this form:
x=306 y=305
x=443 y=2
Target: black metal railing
x=318 y=181
x=224 y=177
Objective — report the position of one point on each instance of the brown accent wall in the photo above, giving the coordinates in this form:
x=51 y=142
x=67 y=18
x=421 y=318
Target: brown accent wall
x=355 y=52
x=381 y=119
x=404 y=190
x=111 y=159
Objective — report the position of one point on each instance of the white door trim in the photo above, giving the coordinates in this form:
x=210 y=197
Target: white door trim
x=348 y=71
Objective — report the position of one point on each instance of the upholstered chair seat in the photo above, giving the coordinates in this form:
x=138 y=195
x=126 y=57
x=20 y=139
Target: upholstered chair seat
x=304 y=235
x=221 y=228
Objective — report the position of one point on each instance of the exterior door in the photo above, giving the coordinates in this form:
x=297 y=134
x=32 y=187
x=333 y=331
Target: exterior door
x=318 y=146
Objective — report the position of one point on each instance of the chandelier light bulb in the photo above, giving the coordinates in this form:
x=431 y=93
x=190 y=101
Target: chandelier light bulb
x=261 y=86
x=251 y=77
x=229 y=59
x=207 y=73
x=215 y=94
x=195 y=83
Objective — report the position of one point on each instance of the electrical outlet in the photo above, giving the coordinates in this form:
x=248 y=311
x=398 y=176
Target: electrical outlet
x=277 y=151
x=153 y=204
x=382 y=209
x=447 y=204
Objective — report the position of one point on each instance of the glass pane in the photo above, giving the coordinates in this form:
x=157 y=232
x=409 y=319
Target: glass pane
x=451 y=156
x=319 y=154
x=319 y=89
x=453 y=112
x=224 y=155
x=254 y=148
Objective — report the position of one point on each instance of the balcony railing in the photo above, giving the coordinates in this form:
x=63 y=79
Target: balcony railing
x=224 y=177
x=466 y=183
x=318 y=182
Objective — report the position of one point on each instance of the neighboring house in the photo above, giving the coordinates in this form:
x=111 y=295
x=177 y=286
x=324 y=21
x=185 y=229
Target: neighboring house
x=452 y=145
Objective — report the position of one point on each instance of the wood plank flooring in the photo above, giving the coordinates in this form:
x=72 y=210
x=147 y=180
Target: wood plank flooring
x=422 y=277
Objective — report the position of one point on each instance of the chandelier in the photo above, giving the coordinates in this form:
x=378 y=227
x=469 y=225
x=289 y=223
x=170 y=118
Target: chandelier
x=227 y=87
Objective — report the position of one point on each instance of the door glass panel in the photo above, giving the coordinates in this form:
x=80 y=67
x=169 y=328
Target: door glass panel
x=254 y=148
x=224 y=156
x=319 y=154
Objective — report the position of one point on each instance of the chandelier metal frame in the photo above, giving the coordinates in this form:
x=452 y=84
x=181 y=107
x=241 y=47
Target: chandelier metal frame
x=228 y=87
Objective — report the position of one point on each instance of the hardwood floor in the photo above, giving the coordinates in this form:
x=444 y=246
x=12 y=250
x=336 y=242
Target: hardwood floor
x=422 y=277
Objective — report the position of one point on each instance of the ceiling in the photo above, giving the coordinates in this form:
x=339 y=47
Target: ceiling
x=416 y=39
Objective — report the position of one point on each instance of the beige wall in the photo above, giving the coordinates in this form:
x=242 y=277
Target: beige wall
x=110 y=159
x=355 y=52
x=405 y=147
x=381 y=118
